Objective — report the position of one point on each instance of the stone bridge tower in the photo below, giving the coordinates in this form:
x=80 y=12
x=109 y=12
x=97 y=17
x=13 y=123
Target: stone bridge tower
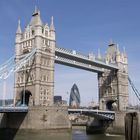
x=37 y=76
x=113 y=85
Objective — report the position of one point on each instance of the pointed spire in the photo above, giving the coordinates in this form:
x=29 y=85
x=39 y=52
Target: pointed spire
x=35 y=11
x=99 y=54
x=118 y=54
x=18 y=28
x=36 y=20
x=35 y=8
x=52 y=28
x=124 y=52
x=111 y=42
x=117 y=50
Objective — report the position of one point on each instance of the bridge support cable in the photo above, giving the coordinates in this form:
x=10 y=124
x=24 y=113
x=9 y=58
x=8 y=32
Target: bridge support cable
x=9 y=67
x=24 y=85
x=134 y=89
x=4 y=92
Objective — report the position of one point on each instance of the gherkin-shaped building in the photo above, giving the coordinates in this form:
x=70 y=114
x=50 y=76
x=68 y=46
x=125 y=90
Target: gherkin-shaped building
x=74 y=100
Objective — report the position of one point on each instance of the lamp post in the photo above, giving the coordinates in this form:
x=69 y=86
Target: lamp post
x=24 y=86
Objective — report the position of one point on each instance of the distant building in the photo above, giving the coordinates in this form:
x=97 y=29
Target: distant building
x=93 y=105
x=64 y=102
x=74 y=100
x=57 y=99
x=6 y=102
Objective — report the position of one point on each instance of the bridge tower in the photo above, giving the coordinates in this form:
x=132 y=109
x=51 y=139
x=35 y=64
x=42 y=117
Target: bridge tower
x=36 y=77
x=113 y=85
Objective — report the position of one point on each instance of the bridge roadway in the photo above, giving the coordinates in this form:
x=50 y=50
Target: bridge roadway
x=75 y=59
x=6 y=109
x=102 y=115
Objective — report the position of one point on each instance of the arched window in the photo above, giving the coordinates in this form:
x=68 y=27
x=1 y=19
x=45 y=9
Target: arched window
x=109 y=89
x=33 y=32
x=25 y=51
x=46 y=33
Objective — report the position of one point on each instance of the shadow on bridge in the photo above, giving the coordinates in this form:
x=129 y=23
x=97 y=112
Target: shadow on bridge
x=10 y=123
x=11 y=118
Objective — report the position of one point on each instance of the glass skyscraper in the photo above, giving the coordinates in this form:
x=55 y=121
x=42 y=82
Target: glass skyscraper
x=74 y=100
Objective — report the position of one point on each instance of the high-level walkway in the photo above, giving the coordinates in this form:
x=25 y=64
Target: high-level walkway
x=78 y=60
x=62 y=56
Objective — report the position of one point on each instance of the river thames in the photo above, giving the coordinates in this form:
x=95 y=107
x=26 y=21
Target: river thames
x=74 y=135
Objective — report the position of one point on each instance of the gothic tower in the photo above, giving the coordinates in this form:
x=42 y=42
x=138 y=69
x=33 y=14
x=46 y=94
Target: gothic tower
x=37 y=76
x=113 y=85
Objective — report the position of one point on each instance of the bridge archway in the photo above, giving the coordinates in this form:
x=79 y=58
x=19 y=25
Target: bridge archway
x=109 y=105
x=25 y=96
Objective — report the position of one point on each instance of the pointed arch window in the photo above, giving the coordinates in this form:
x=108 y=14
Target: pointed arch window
x=46 y=33
x=33 y=32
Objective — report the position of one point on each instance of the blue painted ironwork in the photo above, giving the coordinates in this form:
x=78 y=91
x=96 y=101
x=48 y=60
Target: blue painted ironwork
x=6 y=109
x=103 y=115
x=134 y=89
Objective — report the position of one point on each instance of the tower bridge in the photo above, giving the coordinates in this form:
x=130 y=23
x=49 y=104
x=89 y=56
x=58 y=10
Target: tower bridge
x=36 y=53
x=111 y=69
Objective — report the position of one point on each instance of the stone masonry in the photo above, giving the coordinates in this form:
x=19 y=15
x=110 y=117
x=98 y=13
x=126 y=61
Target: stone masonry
x=38 y=75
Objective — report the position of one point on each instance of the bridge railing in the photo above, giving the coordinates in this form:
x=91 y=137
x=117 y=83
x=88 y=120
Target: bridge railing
x=6 y=109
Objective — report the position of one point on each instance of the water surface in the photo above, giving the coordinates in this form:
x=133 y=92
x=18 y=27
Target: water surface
x=74 y=135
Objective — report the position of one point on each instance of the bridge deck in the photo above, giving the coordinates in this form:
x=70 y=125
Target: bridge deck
x=6 y=109
x=105 y=115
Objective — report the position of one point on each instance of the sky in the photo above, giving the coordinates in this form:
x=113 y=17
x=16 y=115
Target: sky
x=81 y=25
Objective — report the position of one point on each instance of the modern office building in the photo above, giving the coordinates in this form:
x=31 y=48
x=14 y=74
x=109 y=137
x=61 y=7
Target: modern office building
x=74 y=100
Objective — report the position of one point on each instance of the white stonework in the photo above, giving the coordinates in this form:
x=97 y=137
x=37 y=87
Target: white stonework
x=38 y=74
x=113 y=85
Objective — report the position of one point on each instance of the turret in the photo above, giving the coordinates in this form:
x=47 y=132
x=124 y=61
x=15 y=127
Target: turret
x=18 y=39
x=125 y=56
x=111 y=52
x=18 y=33
x=36 y=20
x=99 y=55
x=118 y=55
x=52 y=29
x=37 y=25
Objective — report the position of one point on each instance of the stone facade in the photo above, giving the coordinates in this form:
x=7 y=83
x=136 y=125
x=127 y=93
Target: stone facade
x=37 y=76
x=113 y=85
x=38 y=117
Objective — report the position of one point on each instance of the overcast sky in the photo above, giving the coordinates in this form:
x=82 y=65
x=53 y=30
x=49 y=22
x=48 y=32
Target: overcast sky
x=82 y=25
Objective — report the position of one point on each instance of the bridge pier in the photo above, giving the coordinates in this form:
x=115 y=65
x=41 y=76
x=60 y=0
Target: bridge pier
x=116 y=126
x=37 y=118
x=95 y=126
x=132 y=126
